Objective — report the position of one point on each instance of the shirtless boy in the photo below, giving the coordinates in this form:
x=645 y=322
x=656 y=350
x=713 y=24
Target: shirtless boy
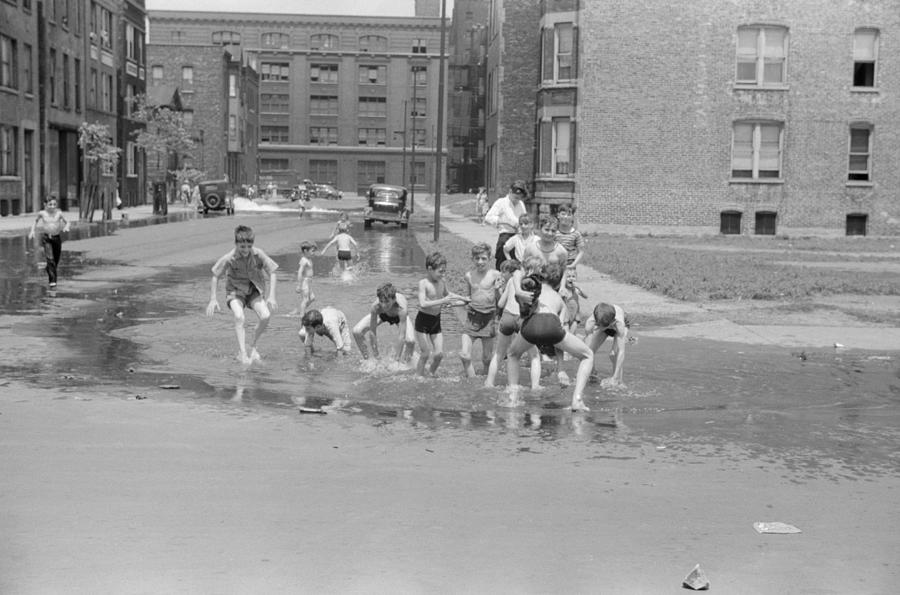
x=609 y=320
x=433 y=295
x=304 y=277
x=481 y=310
x=345 y=246
x=390 y=307
x=52 y=223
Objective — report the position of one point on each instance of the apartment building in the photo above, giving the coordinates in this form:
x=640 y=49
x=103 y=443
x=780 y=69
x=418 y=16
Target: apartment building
x=348 y=100
x=704 y=117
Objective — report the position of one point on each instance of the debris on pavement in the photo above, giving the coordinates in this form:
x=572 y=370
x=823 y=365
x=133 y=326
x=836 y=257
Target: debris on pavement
x=696 y=580
x=775 y=527
x=318 y=410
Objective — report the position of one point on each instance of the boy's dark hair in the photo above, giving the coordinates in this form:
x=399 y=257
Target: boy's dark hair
x=242 y=232
x=565 y=209
x=435 y=260
x=307 y=246
x=547 y=219
x=480 y=248
x=532 y=285
x=524 y=219
x=604 y=314
x=510 y=266
x=312 y=318
x=552 y=274
x=386 y=291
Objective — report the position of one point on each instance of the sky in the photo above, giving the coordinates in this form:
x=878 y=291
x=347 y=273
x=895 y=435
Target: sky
x=399 y=8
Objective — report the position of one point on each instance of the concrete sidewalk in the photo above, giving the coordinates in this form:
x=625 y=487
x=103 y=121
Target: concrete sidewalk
x=700 y=322
x=20 y=224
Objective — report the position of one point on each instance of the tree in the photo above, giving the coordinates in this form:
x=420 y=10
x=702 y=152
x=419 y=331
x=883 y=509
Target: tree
x=102 y=157
x=164 y=136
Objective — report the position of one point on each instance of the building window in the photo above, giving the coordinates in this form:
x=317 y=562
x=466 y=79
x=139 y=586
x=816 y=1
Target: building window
x=77 y=84
x=187 y=118
x=8 y=153
x=369 y=172
x=129 y=100
x=865 y=55
x=856 y=224
x=273 y=164
x=232 y=85
x=323 y=41
x=324 y=171
x=730 y=223
x=419 y=47
x=323 y=135
x=562 y=146
x=232 y=125
x=372 y=137
x=274 y=71
x=418 y=76
x=106 y=27
x=372 y=106
x=860 y=153
x=26 y=4
x=761 y=56
x=28 y=77
x=226 y=38
x=275 y=40
x=559 y=52
x=372 y=75
x=373 y=43
x=130 y=158
x=8 y=67
x=756 y=150
x=418 y=137
x=273 y=134
x=187 y=77
x=418 y=173
x=156 y=74
x=323 y=105
x=420 y=107
x=323 y=73
x=52 y=68
x=108 y=92
x=278 y=103
x=129 y=41
x=92 y=90
x=765 y=223
x=65 y=81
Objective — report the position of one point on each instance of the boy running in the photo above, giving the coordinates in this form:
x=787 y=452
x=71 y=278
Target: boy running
x=433 y=294
x=52 y=224
x=245 y=268
x=345 y=246
x=390 y=307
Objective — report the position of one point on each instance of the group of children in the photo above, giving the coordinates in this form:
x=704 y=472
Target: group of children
x=531 y=305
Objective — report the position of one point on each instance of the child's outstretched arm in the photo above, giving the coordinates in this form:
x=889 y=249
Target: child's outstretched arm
x=213 y=306
x=328 y=245
x=273 y=303
x=580 y=291
x=34 y=225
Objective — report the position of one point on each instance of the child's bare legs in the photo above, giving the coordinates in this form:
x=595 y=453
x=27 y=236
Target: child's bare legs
x=262 y=311
x=560 y=373
x=409 y=342
x=360 y=333
x=502 y=347
x=237 y=308
x=535 y=368
x=594 y=341
x=425 y=349
x=487 y=350
x=579 y=349
x=465 y=355
x=516 y=349
x=438 y=354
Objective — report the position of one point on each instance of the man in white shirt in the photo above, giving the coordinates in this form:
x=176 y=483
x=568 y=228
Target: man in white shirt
x=504 y=215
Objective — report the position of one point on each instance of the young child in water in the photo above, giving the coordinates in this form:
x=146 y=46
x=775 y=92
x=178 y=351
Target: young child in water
x=52 y=224
x=481 y=309
x=390 y=307
x=609 y=320
x=433 y=295
x=245 y=268
x=328 y=322
x=304 y=277
x=345 y=247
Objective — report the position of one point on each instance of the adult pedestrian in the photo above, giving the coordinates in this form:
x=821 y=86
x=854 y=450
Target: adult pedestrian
x=504 y=215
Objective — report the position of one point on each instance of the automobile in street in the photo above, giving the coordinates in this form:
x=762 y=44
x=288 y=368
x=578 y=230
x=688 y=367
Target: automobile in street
x=326 y=191
x=387 y=204
x=216 y=195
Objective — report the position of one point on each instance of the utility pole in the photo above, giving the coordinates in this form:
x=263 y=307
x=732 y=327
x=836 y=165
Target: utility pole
x=412 y=175
x=405 y=116
x=438 y=161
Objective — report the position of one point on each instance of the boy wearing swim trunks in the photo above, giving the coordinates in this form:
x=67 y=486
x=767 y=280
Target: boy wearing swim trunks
x=245 y=269
x=328 y=322
x=481 y=310
x=304 y=277
x=433 y=295
x=345 y=246
x=609 y=320
x=390 y=307
x=543 y=323
x=508 y=325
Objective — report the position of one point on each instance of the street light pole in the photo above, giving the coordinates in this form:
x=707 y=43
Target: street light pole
x=438 y=161
x=412 y=175
x=405 y=114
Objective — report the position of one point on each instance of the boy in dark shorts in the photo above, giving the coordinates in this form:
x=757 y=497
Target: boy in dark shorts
x=609 y=320
x=481 y=310
x=390 y=307
x=345 y=246
x=245 y=269
x=433 y=295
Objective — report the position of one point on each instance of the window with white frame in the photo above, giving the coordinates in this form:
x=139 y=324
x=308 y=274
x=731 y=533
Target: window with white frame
x=156 y=73
x=232 y=85
x=860 y=169
x=187 y=77
x=275 y=40
x=373 y=43
x=563 y=66
x=372 y=74
x=761 y=56
x=8 y=153
x=370 y=172
x=419 y=46
x=8 y=67
x=226 y=38
x=756 y=150
x=323 y=170
x=561 y=144
x=324 y=41
x=273 y=164
x=865 y=56
x=420 y=107
x=108 y=92
x=323 y=135
x=372 y=137
x=419 y=76
x=323 y=73
x=187 y=118
x=130 y=158
x=323 y=105
x=273 y=134
x=372 y=106
x=278 y=103
x=274 y=71
x=129 y=41
x=27 y=71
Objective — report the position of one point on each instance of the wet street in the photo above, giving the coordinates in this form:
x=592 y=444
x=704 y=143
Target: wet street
x=128 y=319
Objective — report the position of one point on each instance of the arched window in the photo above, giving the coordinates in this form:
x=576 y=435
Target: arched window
x=226 y=38
x=275 y=40
x=324 y=41
x=372 y=43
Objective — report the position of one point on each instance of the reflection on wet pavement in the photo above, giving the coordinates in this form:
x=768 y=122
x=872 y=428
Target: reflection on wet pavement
x=828 y=413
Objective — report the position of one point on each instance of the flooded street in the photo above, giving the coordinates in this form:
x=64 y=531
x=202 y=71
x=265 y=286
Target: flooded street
x=138 y=450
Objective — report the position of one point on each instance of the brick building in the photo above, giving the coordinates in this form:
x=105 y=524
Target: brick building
x=341 y=99
x=740 y=117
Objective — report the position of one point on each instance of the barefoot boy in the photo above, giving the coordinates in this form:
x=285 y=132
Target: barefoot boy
x=609 y=320
x=514 y=248
x=433 y=294
x=52 y=224
x=245 y=268
x=304 y=277
x=345 y=246
x=547 y=248
x=481 y=309
x=390 y=307
x=328 y=322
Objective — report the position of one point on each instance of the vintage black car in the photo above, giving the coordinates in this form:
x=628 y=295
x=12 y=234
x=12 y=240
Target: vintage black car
x=386 y=204
x=216 y=195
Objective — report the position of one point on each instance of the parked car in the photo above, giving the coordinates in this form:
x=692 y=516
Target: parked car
x=387 y=204
x=216 y=195
x=327 y=191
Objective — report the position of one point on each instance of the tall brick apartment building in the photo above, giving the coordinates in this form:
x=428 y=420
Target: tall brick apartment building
x=745 y=117
x=342 y=99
